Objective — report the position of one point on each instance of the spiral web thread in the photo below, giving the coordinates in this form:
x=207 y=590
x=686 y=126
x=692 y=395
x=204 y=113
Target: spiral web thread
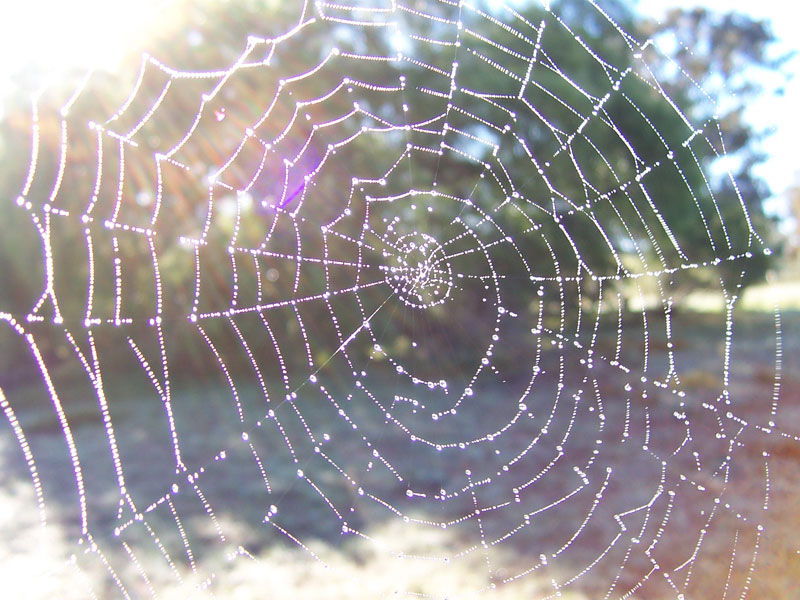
x=574 y=418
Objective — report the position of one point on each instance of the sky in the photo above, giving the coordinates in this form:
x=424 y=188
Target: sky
x=775 y=114
x=96 y=33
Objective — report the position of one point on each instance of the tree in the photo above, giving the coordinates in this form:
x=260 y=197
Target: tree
x=609 y=146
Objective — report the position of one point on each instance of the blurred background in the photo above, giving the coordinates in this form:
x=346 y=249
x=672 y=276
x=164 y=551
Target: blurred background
x=143 y=230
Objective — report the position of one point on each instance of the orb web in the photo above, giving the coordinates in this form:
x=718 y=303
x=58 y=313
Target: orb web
x=396 y=287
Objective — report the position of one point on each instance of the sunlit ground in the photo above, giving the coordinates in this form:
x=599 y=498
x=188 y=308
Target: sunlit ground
x=33 y=566
x=780 y=292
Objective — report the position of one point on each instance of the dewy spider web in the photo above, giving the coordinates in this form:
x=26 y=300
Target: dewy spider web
x=399 y=239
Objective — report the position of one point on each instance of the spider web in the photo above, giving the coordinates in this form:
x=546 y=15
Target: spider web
x=380 y=291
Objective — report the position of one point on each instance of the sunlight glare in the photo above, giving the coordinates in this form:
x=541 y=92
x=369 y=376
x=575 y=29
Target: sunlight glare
x=49 y=36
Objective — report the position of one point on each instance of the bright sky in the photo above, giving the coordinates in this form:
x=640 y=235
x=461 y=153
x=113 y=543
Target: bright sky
x=54 y=34
x=773 y=113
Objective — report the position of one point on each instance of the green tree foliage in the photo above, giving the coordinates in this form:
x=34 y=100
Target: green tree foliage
x=591 y=109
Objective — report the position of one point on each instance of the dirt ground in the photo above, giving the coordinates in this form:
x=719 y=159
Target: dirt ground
x=692 y=500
